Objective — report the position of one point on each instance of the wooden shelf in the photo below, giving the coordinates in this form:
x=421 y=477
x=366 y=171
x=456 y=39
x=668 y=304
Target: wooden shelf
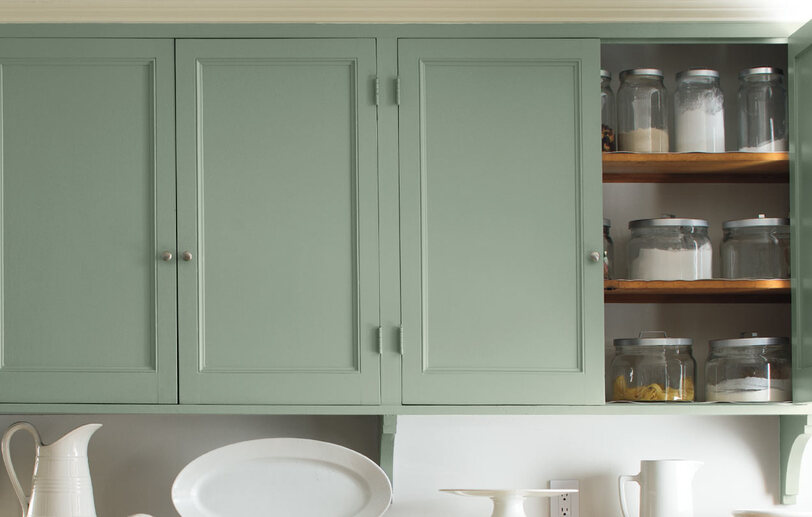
x=696 y=168
x=697 y=291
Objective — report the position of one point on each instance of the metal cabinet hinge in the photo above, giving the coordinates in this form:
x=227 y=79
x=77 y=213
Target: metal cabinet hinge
x=400 y=340
x=397 y=90
x=380 y=340
x=377 y=89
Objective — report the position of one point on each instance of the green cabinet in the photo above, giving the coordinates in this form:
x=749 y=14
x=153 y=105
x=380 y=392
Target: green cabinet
x=88 y=205
x=500 y=196
x=800 y=132
x=271 y=291
x=278 y=206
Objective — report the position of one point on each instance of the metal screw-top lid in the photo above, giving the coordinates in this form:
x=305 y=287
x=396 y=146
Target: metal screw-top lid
x=749 y=339
x=698 y=72
x=607 y=223
x=667 y=220
x=605 y=74
x=655 y=72
x=761 y=220
x=644 y=340
x=760 y=70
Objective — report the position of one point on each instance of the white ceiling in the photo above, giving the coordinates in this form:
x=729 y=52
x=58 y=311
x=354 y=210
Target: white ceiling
x=793 y=12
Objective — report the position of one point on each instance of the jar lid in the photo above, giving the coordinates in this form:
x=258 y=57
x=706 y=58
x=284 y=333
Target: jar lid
x=607 y=223
x=656 y=72
x=605 y=74
x=667 y=221
x=761 y=220
x=644 y=340
x=760 y=70
x=749 y=339
x=698 y=72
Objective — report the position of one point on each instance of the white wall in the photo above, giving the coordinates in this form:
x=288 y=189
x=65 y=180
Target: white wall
x=135 y=458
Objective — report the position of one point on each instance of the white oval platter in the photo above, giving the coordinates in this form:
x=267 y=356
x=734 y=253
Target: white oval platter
x=282 y=477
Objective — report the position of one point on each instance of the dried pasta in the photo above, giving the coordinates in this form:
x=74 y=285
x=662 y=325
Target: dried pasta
x=652 y=392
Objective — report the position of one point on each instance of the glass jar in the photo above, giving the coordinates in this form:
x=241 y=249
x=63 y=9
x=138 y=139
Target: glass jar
x=762 y=110
x=608 y=251
x=699 y=115
x=642 y=111
x=669 y=248
x=755 y=248
x=653 y=369
x=749 y=369
x=608 y=122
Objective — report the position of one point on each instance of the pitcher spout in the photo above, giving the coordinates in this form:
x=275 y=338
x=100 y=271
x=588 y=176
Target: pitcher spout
x=75 y=442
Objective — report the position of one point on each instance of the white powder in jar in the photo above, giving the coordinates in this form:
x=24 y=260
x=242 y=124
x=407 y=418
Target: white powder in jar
x=672 y=264
x=773 y=146
x=750 y=389
x=649 y=140
x=700 y=131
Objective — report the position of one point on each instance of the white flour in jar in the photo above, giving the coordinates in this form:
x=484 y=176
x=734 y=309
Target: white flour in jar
x=672 y=264
x=750 y=389
x=700 y=131
x=773 y=146
x=649 y=140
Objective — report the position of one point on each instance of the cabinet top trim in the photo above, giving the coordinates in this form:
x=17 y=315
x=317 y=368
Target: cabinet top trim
x=694 y=32
x=399 y=11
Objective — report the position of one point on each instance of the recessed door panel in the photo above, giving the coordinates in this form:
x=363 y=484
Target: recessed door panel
x=495 y=221
x=286 y=228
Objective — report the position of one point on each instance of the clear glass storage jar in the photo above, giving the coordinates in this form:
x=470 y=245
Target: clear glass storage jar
x=608 y=251
x=755 y=248
x=762 y=110
x=608 y=114
x=642 y=111
x=669 y=248
x=699 y=115
x=653 y=369
x=749 y=369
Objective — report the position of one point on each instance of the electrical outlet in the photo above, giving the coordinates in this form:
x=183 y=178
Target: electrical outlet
x=564 y=505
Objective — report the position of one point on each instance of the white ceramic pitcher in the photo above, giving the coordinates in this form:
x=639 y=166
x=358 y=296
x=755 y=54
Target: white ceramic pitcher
x=61 y=484
x=665 y=488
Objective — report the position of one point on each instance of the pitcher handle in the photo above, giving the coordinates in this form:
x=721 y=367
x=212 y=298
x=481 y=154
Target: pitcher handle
x=6 y=450
x=621 y=485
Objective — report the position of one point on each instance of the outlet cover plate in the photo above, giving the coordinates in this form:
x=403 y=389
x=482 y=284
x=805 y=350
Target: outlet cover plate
x=565 y=505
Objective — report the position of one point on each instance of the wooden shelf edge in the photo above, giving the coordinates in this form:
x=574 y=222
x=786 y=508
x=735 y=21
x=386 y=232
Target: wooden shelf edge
x=734 y=167
x=698 y=291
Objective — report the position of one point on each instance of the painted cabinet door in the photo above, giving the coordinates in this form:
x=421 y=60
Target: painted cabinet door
x=87 y=172
x=278 y=206
x=800 y=153
x=501 y=207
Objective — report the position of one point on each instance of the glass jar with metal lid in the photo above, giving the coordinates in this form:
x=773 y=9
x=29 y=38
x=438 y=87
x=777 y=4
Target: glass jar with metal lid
x=755 y=248
x=749 y=369
x=762 y=110
x=653 y=368
x=608 y=115
x=669 y=248
x=642 y=111
x=699 y=115
x=608 y=251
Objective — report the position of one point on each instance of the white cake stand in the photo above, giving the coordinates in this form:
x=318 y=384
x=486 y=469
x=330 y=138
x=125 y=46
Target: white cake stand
x=510 y=502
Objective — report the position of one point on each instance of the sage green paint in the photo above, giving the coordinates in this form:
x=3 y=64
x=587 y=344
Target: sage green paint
x=88 y=198
x=500 y=207
x=800 y=132
x=278 y=203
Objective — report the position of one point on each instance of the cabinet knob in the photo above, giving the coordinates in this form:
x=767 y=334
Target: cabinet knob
x=166 y=256
x=594 y=257
x=187 y=256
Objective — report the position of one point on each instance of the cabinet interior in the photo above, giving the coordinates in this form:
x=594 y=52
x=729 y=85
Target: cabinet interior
x=716 y=202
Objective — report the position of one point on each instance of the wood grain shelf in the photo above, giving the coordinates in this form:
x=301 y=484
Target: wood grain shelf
x=697 y=291
x=696 y=168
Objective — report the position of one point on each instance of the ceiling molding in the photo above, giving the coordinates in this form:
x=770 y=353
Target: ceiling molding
x=402 y=11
